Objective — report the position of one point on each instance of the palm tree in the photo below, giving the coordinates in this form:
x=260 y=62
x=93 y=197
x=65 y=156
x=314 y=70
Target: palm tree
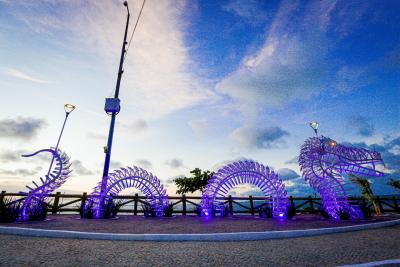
x=395 y=184
x=366 y=191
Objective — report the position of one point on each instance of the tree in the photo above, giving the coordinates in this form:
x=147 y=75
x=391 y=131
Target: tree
x=395 y=183
x=197 y=181
x=366 y=191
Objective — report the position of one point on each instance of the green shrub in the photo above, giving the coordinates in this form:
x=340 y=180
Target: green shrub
x=344 y=215
x=37 y=211
x=9 y=210
x=169 y=210
x=265 y=212
x=291 y=212
x=86 y=210
x=197 y=210
x=148 y=211
x=323 y=213
x=366 y=211
x=111 y=208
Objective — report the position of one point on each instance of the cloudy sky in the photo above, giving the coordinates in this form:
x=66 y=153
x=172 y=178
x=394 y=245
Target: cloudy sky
x=205 y=83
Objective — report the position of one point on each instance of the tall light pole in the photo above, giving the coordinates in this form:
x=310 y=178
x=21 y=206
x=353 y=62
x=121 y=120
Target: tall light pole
x=68 y=109
x=112 y=108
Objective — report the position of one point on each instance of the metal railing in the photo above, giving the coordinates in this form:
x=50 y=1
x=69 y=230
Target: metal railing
x=186 y=205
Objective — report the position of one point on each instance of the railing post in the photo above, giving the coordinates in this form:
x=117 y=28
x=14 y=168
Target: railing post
x=396 y=206
x=83 y=202
x=55 y=204
x=230 y=205
x=291 y=201
x=135 y=204
x=184 y=204
x=310 y=200
x=378 y=199
x=3 y=193
x=251 y=205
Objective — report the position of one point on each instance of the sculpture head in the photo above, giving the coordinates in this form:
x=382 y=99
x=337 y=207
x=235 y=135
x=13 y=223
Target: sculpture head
x=348 y=159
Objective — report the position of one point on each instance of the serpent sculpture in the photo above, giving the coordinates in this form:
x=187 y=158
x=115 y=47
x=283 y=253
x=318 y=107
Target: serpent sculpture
x=323 y=161
x=130 y=177
x=37 y=193
x=244 y=172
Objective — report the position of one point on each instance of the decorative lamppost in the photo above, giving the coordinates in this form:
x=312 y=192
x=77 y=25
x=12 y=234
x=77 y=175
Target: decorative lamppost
x=112 y=108
x=68 y=109
x=314 y=125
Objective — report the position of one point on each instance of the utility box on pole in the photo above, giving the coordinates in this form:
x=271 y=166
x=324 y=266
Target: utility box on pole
x=112 y=106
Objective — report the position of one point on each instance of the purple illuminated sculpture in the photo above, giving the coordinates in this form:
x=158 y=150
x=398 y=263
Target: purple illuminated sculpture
x=323 y=161
x=130 y=177
x=56 y=176
x=244 y=172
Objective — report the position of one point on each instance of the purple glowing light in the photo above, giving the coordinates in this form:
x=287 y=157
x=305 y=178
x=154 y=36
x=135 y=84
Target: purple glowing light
x=130 y=177
x=244 y=172
x=322 y=162
x=38 y=192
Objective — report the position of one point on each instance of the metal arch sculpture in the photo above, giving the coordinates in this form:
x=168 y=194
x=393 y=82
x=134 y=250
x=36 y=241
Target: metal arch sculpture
x=130 y=177
x=53 y=180
x=244 y=172
x=323 y=161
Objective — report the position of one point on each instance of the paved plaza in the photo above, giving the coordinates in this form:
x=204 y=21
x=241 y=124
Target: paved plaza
x=325 y=250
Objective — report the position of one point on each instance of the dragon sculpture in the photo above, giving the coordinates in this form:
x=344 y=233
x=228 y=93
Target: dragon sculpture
x=130 y=177
x=323 y=161
x=37 y=193
x=244 y=172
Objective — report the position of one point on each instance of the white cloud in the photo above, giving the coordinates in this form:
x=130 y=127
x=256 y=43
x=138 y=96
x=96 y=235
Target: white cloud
x=348 y=78
x=249 y=10
x=94 y=135
x=134 y=127
x=363 y=126
x=144 y=163
x=293 y=160
x=292 y=63
x=287 y=174
x=261 y=138
x=21 y=128
x=174 y=163
x=20 y=172
x=22 y=75
x=224 y=163
x=395 y=150
x=115 y=164
x=200 y=127
x=80 y=169
x=158 y=78
x=286 y=67
x=349 y=15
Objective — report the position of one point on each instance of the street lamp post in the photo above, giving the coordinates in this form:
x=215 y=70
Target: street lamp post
x=314 y=125
x=68 y=109
x=112 y=108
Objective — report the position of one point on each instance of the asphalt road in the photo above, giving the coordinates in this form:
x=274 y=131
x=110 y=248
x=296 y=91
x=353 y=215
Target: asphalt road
x=325 y=250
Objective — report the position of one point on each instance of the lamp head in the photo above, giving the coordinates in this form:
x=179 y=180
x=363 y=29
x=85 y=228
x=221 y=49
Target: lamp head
x=69 y=108
x=314 y=125
x=333 y=143
x=125 y=3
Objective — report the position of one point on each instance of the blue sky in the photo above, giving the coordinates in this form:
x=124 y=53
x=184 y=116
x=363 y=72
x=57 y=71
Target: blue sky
x=205 y=83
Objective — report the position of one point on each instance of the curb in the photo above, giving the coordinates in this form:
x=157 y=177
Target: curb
x=239 y=236
x=373 y=263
